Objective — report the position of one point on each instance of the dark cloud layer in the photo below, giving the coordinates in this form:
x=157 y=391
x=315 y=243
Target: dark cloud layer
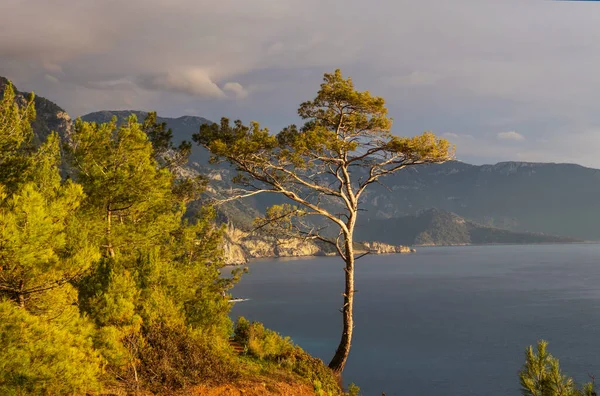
x=504 y=80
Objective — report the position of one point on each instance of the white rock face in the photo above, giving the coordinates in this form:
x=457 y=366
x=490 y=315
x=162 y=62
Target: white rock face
x=384 y=248
x=240 y=246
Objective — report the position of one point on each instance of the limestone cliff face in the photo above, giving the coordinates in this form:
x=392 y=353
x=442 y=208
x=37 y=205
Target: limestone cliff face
x=240 y=246
x=384 y=248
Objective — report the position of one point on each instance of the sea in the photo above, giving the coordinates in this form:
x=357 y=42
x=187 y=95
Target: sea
x=444 y=320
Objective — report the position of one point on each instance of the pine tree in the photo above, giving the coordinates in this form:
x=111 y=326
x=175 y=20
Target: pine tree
x=44 y=343
x=323 y=169
x=43 y=245
x=125 y=189
x=541 y=375
x=158 y=270
x=15 y=137
x=39 y=356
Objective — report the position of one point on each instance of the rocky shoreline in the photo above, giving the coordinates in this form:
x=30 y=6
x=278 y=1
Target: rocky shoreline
x=240 y=246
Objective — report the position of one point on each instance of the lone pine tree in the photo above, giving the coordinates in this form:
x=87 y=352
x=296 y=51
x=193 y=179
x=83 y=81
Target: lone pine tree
x=323 y=168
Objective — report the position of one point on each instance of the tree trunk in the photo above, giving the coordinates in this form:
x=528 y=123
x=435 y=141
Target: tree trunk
x=110 y=252
x=21 y=294
x=338 y=362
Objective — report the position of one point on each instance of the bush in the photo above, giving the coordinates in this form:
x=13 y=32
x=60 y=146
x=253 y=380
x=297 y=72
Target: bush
x=315 y=370
x=263 y=343
x=268 y=345
x=174 y=357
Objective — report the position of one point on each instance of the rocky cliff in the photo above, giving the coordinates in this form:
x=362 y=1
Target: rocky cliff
x=241 y=246
x=385 y=248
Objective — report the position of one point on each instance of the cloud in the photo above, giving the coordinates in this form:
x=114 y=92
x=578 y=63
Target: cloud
x=116 y=84
x=512 y=135
x=457 y=136
x=473 y=67
x=194 y=82
x=52 y=68
x=236 y=89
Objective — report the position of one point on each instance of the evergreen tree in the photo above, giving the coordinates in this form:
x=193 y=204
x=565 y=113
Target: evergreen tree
x=39 y=356
x=157 y=269
x=165 y=152
x=541 y=376
x=44 y=343
x=15 y=137
x=186 y=186
x=324 y=168
x=125 y=189
x=43 y=244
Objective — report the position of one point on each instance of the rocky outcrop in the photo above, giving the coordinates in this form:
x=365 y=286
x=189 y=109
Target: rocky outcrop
x=384 y=248
x=240 y=246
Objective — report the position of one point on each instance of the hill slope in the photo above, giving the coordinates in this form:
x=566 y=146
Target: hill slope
x=561 y=199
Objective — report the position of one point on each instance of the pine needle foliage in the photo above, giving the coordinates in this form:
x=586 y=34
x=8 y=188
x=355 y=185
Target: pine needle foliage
x=541 y=375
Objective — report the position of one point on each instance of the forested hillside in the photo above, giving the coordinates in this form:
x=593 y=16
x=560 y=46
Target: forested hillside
x=105 y=286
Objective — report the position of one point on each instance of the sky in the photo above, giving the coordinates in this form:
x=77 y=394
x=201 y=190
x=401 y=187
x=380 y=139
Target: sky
x=502 y=79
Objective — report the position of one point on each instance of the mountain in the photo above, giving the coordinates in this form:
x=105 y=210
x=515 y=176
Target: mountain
x=560 y=199
x=438 y=228
x=183 y=128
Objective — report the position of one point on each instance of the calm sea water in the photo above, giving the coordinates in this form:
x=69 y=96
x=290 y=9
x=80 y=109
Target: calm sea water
x=451 y=321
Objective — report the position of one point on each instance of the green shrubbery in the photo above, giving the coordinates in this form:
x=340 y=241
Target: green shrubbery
x=270 y=347
x=263 y=343
x=541 y=376
x=174 y=357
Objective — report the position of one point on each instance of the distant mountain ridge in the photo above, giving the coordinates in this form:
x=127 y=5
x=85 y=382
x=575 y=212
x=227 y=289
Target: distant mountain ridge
x=561 y=199
x=434 y=227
